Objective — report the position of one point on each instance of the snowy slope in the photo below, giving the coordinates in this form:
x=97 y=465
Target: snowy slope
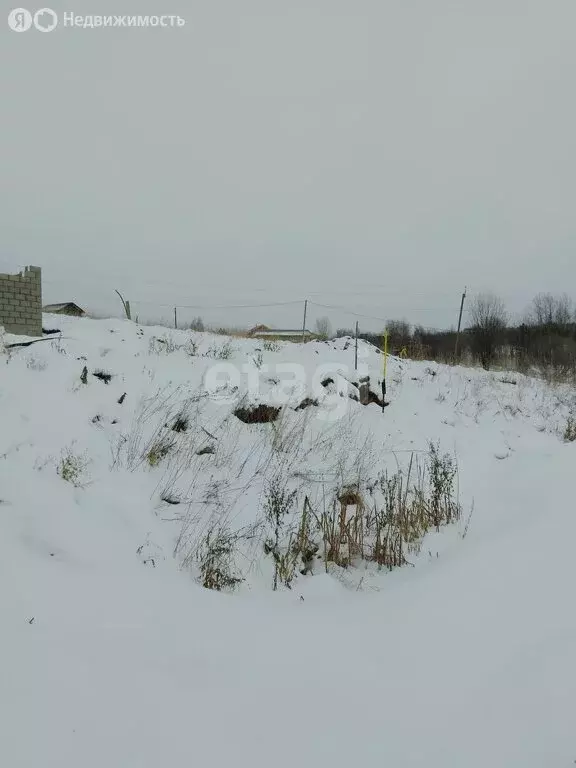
x=112 y=653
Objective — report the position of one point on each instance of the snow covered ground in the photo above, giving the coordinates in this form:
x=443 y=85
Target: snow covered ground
x=113 y=655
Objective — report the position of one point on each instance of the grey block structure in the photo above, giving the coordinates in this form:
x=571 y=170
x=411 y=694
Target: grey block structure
x=21 y=302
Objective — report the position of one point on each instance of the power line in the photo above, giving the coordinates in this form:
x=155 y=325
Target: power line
x=335 y=307
x=217 y=306
x=66 y=280
x=358 y=289
x=373 y=317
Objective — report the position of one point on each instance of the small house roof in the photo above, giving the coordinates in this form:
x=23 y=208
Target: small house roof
x=63 y=305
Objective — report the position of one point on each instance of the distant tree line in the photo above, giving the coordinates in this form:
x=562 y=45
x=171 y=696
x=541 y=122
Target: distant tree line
x=545 y=339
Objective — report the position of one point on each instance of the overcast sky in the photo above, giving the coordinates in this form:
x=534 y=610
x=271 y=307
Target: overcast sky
x=372 y=154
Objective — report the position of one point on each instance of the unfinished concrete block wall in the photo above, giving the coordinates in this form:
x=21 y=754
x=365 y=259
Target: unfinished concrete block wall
x=21 y=302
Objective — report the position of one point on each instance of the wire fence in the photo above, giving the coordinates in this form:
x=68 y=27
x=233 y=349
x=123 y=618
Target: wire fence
x=242 y=315
x=168 y=302
x=286 y=315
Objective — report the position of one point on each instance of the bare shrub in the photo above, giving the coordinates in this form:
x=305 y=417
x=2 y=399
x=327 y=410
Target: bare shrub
x=415 y=502
x=292 y=546
x=163 y=345
x=147 y=437
x=220 y=351
x=323 y=328
x=33 y=363
x=388 y=543
x=402 y=521
x=215 y=557
x=197 y=324
x=304 y=544
x=399 y=335
x=444 y=508
x=278 y=503
x=488 y=316
x=57 y=346
x=549 y=310
x=570 y=430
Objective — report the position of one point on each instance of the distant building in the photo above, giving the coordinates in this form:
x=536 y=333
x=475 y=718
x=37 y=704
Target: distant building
x=280 y=334
x=68 y=308
x=258 y=329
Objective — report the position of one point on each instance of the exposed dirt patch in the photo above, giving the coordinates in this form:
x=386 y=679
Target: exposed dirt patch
x=259 y=414
x=306 y=403
x=350 y=497
x=103 y=376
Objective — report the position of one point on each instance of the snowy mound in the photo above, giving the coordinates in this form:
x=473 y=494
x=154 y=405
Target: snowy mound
x=413 y=623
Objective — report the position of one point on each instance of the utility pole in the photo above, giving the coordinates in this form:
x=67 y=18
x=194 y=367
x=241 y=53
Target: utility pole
x=356 y=349
x=304 y=323
x=175 y=318
x=384 y=368
x=459 y=326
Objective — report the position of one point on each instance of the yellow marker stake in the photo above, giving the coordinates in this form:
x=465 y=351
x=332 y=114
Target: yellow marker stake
x=385 y=360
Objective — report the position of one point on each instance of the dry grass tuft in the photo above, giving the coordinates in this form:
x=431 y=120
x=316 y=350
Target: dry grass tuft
x=72 y=468
x=159 y=450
